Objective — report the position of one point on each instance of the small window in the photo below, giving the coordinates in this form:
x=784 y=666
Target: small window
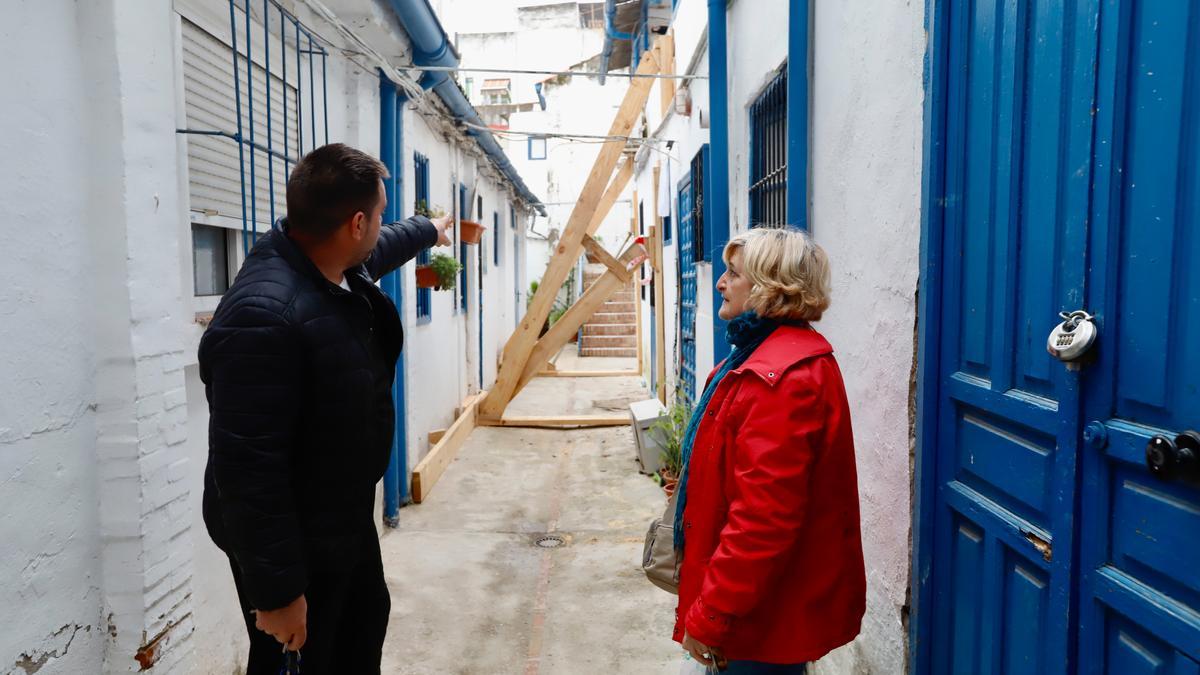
x=210 y=259
x=537 y=147
x=700 y=178
x=666 y=228
x=421 y=183
x=768 y=155
x=496 y=238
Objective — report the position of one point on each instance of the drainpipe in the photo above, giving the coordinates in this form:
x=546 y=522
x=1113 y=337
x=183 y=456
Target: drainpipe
x=718 y=194
x=431 y=47
x=797 y=105
x=610 y=35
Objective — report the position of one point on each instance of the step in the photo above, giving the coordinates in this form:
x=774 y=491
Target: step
x=603 y=317
x=627 y=352
x=593 y=341
x=619 y=307
x=590 y=329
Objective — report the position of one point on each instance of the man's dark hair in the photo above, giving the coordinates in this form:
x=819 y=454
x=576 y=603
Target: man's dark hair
x=328 y=186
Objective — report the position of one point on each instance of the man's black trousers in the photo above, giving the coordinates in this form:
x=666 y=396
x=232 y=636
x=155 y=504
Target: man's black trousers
x=347 y=619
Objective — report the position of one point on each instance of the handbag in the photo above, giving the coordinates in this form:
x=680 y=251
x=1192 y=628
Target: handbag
x=659 y=559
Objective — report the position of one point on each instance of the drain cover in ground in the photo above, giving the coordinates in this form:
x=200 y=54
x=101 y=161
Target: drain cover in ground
x=549 y=541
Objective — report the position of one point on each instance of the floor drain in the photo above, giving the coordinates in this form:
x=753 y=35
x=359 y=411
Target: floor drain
x=549 y=541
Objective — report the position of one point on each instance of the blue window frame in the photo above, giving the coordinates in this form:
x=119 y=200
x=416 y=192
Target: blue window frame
x=421 y=185
x=537 y=147
x=496 y=238
x=666 y=228
x=700 y=223
x=769 y=155
x=464 y=211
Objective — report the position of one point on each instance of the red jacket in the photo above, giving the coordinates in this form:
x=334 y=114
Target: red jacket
x=773 y=564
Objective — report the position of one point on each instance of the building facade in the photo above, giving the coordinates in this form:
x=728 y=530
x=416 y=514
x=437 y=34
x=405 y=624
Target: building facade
x=129 y=134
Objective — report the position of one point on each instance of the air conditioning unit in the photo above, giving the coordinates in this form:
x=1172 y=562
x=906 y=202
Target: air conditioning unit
x=658 y=16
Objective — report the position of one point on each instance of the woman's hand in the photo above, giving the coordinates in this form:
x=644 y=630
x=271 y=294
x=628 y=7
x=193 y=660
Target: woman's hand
x=704 y=654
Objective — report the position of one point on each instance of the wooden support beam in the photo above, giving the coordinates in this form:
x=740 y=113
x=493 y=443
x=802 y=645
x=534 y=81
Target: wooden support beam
x=666 y=64
x=554 y=422
x=436 y=435
x=615 y=188
x=594 y=248
x=637 y=288
x=589 y=373
x=524 y=339
x=660 y=310
x=430 y=469
x=576 y=315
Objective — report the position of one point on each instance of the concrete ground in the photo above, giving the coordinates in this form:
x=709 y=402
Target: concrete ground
x=472 y=592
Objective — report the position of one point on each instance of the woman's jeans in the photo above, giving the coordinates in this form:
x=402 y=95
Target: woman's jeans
x=759 y=668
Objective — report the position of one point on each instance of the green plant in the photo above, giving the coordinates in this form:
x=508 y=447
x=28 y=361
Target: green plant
x=670 y=430
x=557 y=313
x=423 y=209
x=446 y=268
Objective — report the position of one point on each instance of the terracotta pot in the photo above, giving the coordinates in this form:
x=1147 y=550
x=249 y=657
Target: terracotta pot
x=669 y=487
x=470 y=232
x=426 y=277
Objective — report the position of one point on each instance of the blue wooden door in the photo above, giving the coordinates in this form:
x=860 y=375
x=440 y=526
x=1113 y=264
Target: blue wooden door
x=1140 y=540
x=687 y=290
x=1071 y=180
x=1017 y=130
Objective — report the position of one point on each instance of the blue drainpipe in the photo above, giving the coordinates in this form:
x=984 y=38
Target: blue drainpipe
x=610 y=34
x=797 y=105
x=431 y=47
x=718 y=196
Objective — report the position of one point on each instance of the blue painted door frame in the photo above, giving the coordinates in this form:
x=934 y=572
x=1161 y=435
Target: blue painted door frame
x=395 y=478
x=1060 y=173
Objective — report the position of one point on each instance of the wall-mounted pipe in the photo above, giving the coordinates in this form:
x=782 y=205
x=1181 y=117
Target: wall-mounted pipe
x=611 y=35
x=431 y=47
x=718 y=194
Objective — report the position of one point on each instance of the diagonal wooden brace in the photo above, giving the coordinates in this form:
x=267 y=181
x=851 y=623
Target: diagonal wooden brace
x=519 y=348
x=615 y=266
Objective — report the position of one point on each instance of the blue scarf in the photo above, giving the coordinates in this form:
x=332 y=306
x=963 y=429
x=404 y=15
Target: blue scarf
x=745 y=334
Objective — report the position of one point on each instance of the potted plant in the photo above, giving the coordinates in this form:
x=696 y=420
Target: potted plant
x=441 y=272
x=469 y=231
x=423 y=209
x=670 y=431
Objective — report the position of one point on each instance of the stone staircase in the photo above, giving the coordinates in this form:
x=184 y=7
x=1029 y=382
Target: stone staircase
x=612 y=331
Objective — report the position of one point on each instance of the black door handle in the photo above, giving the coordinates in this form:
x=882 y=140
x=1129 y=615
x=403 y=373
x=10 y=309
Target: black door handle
x=1170 y=458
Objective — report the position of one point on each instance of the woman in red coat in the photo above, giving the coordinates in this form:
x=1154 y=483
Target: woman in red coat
x=767 y=521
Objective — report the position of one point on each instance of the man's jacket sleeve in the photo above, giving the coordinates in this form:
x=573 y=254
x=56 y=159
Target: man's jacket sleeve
x=400 y=242
x=253 y=364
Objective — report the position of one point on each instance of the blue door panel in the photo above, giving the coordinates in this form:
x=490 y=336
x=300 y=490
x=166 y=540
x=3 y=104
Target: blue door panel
x=1140 y=553
x=1070 y=157
x=687 y=288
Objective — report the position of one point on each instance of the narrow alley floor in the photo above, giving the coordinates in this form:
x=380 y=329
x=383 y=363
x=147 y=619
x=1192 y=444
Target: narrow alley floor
x=472 y=590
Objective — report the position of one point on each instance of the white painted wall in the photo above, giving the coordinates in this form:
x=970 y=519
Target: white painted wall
x=103 y=429
x=865 y=173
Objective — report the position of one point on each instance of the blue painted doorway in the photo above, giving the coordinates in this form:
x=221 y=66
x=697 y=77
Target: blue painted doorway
x=1061 y=174
x=687 y=288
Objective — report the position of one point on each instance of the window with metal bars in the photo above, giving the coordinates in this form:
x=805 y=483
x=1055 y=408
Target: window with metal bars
x=700 y=177
x=768 y=155
x=464 y=211
x=255 y=101
x=421 y=185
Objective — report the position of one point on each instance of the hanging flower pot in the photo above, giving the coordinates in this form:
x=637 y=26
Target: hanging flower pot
x=470 y=232
x=426 y=276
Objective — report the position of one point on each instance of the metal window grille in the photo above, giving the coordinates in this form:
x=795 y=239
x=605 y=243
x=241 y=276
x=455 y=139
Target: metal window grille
x=768 y=155
x=699 y=184
x=421 y=185
x=687 y=290
x=269 y=91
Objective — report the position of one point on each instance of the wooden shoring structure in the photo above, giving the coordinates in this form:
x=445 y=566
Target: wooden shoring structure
x=525 y=355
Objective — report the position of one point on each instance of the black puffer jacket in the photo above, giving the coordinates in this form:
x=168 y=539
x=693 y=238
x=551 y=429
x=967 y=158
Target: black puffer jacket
x=298 y=375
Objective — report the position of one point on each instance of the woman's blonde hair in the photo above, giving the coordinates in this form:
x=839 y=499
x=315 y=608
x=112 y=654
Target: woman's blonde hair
x=788 y=272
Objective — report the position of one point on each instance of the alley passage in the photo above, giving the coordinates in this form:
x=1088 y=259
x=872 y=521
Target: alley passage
x=473 y=592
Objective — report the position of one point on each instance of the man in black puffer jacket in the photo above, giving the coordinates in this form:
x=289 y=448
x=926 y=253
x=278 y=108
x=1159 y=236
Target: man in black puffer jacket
x=298 y=365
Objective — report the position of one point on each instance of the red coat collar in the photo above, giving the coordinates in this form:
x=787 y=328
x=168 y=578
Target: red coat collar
x=784 y=348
